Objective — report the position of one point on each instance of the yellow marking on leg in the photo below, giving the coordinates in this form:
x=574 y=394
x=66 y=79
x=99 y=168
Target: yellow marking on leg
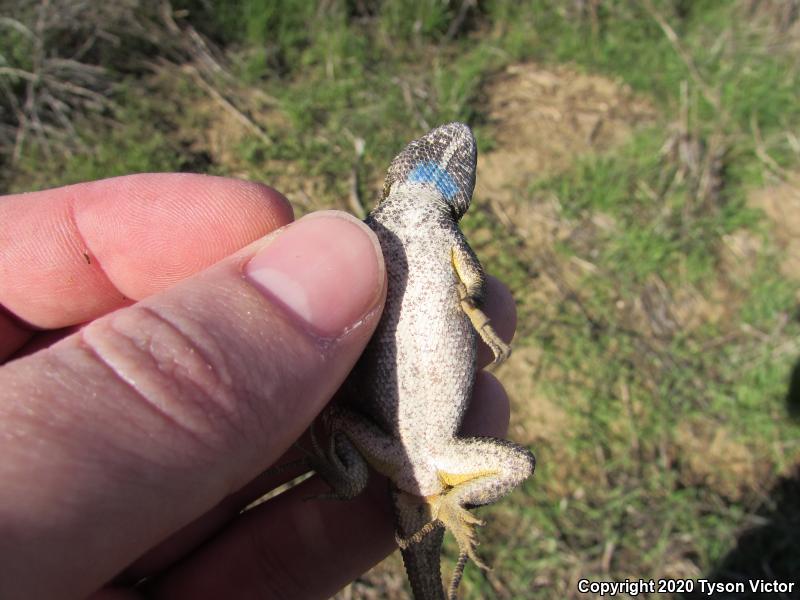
x=452 y=480
x=470 y=284
x=458 y=520
x=446 y=512
x=468 y=274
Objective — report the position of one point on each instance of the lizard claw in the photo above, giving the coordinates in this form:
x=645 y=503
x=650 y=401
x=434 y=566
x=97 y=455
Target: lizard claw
x=499 y=348
x=461 y=523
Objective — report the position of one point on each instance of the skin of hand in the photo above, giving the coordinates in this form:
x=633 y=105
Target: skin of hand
x=166 y=338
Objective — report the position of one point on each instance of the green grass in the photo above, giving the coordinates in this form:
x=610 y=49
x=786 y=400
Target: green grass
x=657 y=513
x=145 y=138
x=648 y=503
x=624 y=491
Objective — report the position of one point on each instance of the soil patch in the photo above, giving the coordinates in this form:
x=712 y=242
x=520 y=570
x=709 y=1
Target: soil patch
x=537 y=417
x=714 y=458
x=541 y=119
x=781 y=204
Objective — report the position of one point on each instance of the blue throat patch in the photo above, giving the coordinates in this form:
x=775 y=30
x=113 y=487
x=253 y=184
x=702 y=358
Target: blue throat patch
x=430 y=172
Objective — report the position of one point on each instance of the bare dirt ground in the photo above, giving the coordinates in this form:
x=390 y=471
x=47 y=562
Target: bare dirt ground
x=781 y=204
x=541 y=120
x=715 y=458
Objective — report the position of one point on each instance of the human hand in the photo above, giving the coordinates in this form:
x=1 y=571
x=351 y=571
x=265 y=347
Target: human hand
x=162 y=353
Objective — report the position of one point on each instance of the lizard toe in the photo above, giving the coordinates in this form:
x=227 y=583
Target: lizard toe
x=462 y=524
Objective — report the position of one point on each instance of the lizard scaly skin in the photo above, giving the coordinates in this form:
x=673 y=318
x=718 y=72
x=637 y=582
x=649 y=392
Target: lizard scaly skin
x=410 y=389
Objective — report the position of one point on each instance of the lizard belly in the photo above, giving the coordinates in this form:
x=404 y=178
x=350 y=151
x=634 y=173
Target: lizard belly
x=435 y=360
x=429 y=345
x=436 y=354
x=415 y=378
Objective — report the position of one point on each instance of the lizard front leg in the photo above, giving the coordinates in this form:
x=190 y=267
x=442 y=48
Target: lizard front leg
x=470 y=293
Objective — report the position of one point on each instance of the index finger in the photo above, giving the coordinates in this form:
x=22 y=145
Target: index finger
x=74 y=253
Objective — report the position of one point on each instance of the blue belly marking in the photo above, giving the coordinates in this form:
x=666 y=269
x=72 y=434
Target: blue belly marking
x=430 y=172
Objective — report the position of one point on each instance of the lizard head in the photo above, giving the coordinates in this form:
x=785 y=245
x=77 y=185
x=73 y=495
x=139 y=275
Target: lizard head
x=444 y=159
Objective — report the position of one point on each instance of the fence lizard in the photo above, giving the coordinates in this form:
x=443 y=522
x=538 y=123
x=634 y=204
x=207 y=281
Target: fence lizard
x=410 y=389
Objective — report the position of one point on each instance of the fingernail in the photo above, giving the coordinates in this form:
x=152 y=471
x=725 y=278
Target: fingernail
x=326 y=270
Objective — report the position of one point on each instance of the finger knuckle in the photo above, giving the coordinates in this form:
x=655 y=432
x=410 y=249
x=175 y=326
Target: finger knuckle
x=172 y=368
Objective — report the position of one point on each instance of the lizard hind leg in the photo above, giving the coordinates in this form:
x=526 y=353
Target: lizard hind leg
x=475 y=472
x=354 y=444
x=339 y=464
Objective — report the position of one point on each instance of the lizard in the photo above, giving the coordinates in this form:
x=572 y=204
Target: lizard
x=409 y=390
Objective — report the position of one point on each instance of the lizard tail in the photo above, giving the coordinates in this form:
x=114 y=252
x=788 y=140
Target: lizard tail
x=420 y=539
x=422 y=565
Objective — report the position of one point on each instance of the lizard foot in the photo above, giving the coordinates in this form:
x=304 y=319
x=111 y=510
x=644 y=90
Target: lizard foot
x=461 y=523
x=499 y=348
x=483 y=326
x=405 y=542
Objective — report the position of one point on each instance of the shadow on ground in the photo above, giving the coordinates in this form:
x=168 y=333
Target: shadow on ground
x=767 y=549
x=793 y=395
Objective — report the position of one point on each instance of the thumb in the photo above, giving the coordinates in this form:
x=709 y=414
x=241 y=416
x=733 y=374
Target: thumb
x=120 y=434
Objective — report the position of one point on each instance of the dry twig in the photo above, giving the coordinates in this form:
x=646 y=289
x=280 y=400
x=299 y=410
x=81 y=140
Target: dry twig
x=711 y=95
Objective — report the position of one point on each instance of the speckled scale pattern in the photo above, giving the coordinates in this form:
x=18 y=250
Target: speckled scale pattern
x=410 y=389
x=419 y=263
x=433 y=148
x=417 y=373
